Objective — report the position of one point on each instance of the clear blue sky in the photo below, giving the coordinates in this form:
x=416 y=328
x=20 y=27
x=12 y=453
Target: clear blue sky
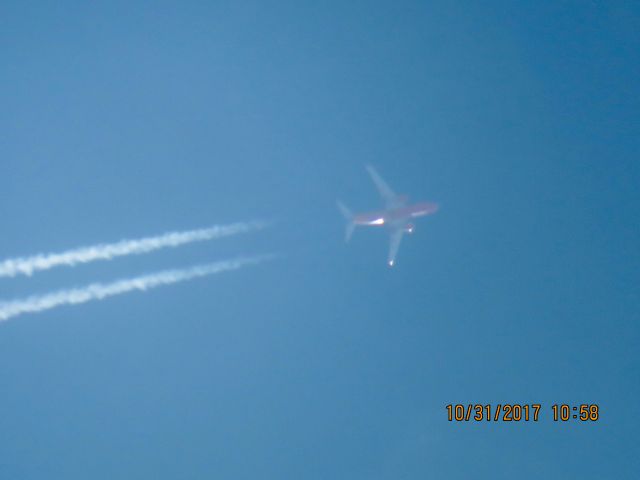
x=127 y=119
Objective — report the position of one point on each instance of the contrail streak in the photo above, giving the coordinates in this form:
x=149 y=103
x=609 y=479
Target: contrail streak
x=99 y=291
x=29 y=265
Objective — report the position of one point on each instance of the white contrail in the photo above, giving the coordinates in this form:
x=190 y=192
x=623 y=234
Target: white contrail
x=29 y=265
x=99 y=291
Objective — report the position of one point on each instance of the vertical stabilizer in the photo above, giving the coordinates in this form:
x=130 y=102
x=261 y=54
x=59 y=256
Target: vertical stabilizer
x=348 y=216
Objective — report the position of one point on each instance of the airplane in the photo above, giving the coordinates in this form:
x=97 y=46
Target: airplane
x=396 y=215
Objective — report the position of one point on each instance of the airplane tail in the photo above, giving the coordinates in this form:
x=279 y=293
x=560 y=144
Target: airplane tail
x=348 y=216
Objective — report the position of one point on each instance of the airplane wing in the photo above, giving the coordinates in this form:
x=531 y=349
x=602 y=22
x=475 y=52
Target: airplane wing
x=390 y=198
x=394 y=245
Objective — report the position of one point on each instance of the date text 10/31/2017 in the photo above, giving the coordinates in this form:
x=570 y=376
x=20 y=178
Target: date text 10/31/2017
x=515 y=412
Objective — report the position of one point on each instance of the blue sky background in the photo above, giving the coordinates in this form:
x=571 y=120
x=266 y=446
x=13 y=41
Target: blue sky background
x=128 y=119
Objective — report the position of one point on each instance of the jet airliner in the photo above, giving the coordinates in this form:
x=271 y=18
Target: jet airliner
x=396 y=215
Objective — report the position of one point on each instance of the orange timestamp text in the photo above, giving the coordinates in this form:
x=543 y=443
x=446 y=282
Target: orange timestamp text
x=516 y=412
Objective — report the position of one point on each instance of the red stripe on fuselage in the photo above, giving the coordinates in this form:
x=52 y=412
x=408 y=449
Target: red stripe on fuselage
x=383 y=217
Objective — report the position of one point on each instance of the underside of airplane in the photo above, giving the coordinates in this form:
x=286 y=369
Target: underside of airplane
x=396 y=215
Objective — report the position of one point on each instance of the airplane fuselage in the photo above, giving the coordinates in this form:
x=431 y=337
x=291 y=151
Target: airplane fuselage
x=395 y=216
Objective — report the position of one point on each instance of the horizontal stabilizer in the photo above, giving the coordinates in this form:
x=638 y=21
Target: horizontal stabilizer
x=348 y=216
